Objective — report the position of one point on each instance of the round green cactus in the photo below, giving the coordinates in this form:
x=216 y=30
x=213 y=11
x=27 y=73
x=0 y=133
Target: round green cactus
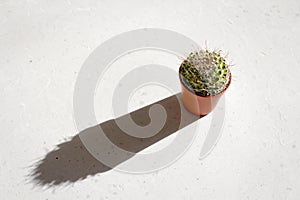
x=204 y=72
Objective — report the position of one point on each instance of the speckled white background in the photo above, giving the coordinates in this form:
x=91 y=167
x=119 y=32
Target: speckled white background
x=44 y=43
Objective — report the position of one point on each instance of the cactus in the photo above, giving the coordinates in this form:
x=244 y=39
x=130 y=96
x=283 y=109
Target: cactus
x=205 y=73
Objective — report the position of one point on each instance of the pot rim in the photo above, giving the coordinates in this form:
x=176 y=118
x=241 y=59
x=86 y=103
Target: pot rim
x=193 y=92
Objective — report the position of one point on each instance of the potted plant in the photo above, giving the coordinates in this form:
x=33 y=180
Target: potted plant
x=204 y=77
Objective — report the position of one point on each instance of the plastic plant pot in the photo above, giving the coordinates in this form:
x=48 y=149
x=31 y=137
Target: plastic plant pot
x=200 y=105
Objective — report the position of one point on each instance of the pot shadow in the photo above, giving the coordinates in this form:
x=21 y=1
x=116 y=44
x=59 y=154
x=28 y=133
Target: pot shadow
x=70 y=161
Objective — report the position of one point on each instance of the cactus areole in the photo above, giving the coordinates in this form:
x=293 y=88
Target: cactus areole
x=205 y=73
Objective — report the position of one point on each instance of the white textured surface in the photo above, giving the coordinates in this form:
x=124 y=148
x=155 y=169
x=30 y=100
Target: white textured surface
x=44 y=43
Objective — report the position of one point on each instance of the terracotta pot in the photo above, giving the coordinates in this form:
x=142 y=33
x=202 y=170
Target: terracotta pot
x=200 y=105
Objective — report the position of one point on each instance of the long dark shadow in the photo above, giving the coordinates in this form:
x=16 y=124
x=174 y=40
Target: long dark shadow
x=71 y=161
